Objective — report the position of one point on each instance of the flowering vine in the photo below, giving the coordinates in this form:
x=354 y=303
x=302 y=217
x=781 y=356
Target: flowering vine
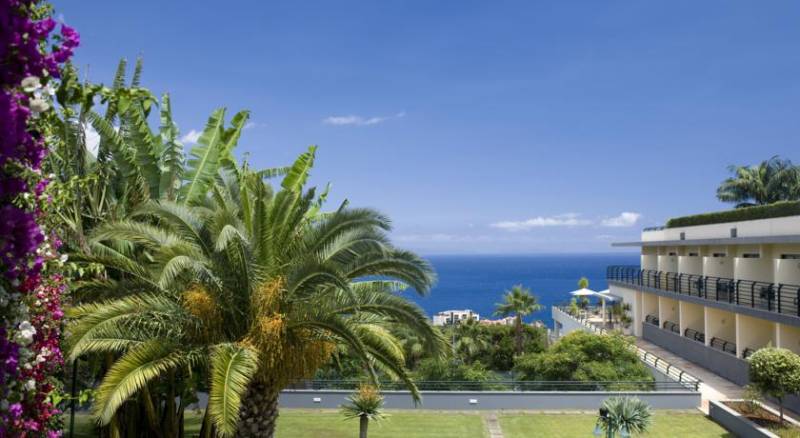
x=30 y=288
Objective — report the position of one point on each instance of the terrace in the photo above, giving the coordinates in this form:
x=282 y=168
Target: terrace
x=757 y=298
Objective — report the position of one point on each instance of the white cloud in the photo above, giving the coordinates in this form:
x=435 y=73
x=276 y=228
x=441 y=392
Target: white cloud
x=625 y=219
x=354 y=120
x=561 y=220
x=191 y=136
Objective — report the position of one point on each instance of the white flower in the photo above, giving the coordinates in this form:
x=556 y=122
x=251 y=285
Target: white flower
x=30 y=385
x=63 y=258
x=25 y=333
x=31 y=83
x=39 y=106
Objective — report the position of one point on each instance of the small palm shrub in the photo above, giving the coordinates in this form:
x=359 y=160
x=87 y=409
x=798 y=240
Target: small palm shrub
x=365 y=404
x=625 y=415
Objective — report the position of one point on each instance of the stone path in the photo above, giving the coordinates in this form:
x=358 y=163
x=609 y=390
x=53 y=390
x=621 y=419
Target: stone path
x=493 y=425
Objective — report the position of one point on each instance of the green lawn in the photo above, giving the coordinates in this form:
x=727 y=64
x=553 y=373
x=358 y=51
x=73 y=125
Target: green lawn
x=665 y=424
x=400 y=424
x=331 y=424
x=442 y=424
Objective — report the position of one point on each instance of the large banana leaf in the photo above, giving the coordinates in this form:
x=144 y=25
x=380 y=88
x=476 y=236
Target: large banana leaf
x=171 y=160
x=296 y=178
x=204 y=161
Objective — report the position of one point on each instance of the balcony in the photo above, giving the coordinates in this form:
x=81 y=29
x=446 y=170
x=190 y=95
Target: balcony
x=776 y=298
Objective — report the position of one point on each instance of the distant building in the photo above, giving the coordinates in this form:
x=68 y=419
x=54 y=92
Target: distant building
x=508 y=320
x=448 y=317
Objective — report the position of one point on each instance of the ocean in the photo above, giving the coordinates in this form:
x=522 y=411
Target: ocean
x=477 y=282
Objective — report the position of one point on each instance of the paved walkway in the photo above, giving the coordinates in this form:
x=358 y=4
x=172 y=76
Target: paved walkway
x=713 y=387
x=493 y=425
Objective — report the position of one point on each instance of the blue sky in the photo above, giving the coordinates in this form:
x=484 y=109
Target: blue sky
x=481 y=126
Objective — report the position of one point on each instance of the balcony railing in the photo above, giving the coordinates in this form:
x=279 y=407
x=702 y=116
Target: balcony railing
x=771 y=297
x=723 y=345
x=694 y=334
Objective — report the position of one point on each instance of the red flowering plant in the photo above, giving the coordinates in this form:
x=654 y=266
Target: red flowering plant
x=30 y=57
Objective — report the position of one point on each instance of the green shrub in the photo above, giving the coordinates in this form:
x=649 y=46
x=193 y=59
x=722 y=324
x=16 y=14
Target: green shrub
x=583 y=357
x=778 y=209
x=775 y=372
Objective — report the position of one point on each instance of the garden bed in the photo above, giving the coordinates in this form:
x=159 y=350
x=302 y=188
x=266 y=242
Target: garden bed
x=762 y=419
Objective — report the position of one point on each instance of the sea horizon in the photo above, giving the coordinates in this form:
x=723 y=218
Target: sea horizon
x=478 y=281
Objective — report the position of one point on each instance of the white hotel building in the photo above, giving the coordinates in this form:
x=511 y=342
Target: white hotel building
x=714 y=294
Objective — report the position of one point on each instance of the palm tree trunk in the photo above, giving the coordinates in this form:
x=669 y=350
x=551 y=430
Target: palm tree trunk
x=259 y=411
x=519 y=334
x=362 y=427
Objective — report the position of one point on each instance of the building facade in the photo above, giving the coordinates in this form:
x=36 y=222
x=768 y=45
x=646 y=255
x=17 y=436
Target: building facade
x=448 y=317
x=714 y=294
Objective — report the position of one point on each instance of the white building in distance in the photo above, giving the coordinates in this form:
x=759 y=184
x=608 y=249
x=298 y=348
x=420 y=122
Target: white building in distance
x=448 y=317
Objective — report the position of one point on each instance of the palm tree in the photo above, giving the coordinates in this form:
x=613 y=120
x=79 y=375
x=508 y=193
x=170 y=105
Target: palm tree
x=252 y=288
x=770 y=181
x=470 y=339
x=366 y=404
x=583 y=300
x=626 y=415
x=518 y=302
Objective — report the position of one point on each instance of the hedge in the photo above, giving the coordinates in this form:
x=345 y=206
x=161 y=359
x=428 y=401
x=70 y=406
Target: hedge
x=778 y=209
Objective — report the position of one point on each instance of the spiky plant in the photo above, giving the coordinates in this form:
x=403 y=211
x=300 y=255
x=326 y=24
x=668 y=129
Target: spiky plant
x=518 y=302
x=627 y=415
x=254 y=289
x=770 y=181
x=366 y=404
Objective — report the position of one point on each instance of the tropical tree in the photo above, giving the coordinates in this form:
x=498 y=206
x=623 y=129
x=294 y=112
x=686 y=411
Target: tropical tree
x=770 y=181
x=253 y=288
x=518 y=302
x=583 y=300
x=366 y=405
x=470 y=339
x=106 y=162
x=624 y=415
x=775 y=372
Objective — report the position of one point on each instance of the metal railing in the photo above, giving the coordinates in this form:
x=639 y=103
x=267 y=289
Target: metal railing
x=694 y=334
x=671 y=326
x=771 y=297
x=723 y=345
x=651 y=319
x=678 y=375
x=496 y=385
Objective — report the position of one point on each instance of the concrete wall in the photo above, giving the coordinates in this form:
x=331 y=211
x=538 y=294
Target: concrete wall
x=753 y=333
x=787 y=337
x=490 y=400
x=759 y=269
x=634 y=298
x=787 y=271
x=690 y=265
x=650 y=261
x=692 y=316
x=720 y=324
x=755 y=228
x=565 y=324
x=723 y=364
x=668 y=263
x=649 y=305
x=718 y=266
x=667 y=310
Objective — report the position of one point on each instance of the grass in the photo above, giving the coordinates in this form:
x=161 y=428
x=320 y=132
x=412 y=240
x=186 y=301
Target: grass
x=665 y=424
x=446 y=424
x=331 y=424
x=399 y=424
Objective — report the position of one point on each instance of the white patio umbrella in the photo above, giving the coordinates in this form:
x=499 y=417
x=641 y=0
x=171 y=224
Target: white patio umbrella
x=604 y=295
x=583 y=292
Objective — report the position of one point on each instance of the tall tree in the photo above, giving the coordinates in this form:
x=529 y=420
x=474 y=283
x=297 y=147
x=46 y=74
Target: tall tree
x=518 y=302
x=770 y=181
x=254 y=289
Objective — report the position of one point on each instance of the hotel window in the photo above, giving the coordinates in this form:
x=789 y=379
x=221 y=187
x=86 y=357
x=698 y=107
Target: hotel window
x=693 y=254
x=751 y=255
x=673 y=253
x=790 y=256
x=719 y=254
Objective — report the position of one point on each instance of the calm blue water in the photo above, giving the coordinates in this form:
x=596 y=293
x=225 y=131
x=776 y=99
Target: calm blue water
x=477 y=282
